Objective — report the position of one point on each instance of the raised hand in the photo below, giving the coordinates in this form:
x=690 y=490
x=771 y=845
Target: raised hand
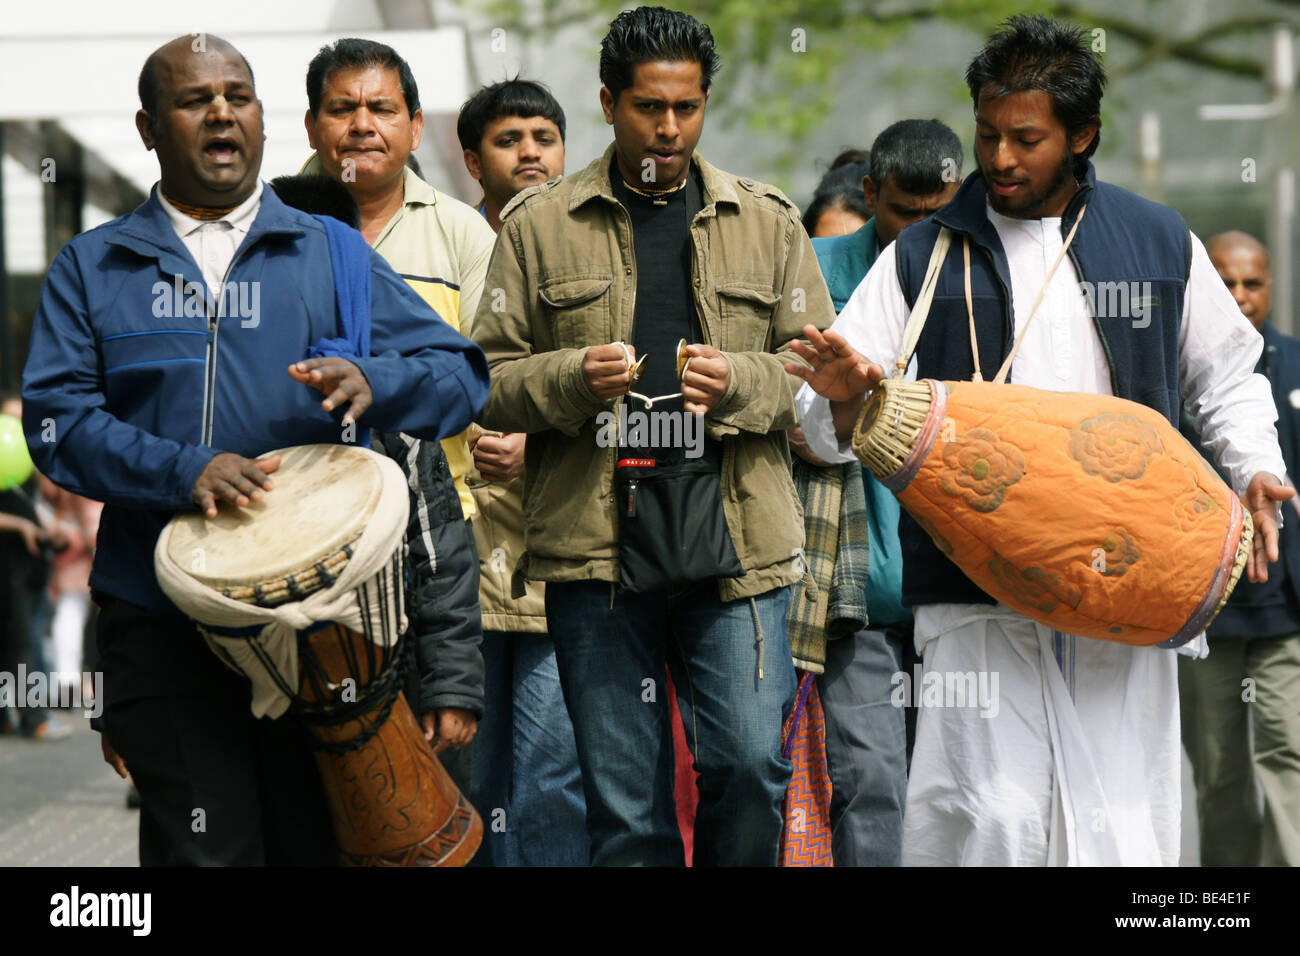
x=339 y=380
x=838 y=372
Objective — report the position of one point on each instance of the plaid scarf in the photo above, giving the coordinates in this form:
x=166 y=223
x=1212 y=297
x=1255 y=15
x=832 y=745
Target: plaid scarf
x=836 y=554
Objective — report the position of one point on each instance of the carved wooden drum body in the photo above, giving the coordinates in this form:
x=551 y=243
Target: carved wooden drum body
x=1088 y=513
x=303 y=593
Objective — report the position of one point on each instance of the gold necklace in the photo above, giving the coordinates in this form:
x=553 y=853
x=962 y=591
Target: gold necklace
x=205 y=213
x=657 y=198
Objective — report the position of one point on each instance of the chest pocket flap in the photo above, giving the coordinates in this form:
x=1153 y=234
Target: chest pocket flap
x=746 y=310
x=579 y=309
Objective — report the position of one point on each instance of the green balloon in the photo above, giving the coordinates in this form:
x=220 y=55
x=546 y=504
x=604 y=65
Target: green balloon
x=15 y=461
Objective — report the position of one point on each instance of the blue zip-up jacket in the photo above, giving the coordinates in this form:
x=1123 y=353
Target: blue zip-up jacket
x=131 y=388
x=1124 y=239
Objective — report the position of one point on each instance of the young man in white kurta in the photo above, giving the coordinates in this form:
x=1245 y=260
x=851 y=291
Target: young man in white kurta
x=1079 y=762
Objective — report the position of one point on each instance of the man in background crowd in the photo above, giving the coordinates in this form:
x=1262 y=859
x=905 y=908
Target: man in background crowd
x=915 y=170
x=1251 y=680
x=525 y=758
x=364 y=120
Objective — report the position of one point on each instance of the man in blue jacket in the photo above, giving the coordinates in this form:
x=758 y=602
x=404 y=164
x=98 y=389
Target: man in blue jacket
x=1251 y=680
x=167 y=352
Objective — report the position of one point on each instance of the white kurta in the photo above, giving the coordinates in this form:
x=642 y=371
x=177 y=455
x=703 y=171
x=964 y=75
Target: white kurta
x=1079 y=763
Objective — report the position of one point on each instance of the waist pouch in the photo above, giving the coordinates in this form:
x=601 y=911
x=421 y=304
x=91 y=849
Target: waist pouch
x=671 y=527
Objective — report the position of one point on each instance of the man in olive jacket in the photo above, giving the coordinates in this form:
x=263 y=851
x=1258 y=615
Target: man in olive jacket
x=671 y=532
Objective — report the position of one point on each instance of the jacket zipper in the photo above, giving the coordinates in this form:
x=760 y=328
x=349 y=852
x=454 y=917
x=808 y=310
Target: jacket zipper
x=210 y=360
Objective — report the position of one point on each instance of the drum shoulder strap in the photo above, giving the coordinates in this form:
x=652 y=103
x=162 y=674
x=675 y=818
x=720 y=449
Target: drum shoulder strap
x=921 y=310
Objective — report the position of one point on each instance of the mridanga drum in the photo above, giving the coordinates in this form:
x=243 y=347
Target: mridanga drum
x=1087 y=513
x=302 y=592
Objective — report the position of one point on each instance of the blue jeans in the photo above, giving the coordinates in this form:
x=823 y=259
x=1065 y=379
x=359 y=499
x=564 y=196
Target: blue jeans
x=611 y=648
x=526 y=782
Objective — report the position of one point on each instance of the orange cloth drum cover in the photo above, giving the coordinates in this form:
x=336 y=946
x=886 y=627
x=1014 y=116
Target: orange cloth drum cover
x=1088 y=513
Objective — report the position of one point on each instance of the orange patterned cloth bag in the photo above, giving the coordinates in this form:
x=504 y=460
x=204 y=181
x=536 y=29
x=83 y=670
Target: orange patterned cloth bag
x=806 y=836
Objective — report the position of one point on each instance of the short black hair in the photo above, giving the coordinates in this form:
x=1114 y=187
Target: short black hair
x=652 y=35
x=850 y=200
x=852 y=155
x=318 y=194
x=149 y=89
x=1034 y=52
x=351 y=53
x=515 y=97
x=917 y=152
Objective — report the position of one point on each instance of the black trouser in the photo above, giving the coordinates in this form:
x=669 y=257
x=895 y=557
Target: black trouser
x=20 y=591
x=218 y=786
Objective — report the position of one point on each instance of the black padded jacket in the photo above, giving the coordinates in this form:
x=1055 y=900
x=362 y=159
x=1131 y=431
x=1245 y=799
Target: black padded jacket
x=445 y=620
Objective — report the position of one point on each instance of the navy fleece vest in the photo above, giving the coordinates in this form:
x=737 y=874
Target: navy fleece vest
x=1133 y=257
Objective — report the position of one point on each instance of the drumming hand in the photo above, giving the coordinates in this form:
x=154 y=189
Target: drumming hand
x=340 y=380
x=111 y=756
x=1260 y=499
x=500 y=458
x=606 y=370
x=705 y=379
x=452 y=726
x=837 y=372
x=228 y=477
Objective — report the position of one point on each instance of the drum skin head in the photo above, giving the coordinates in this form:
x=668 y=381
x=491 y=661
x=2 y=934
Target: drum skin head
x=323 y=495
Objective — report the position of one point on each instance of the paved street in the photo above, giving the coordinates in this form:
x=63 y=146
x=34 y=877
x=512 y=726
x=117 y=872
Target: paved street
x=61 y=805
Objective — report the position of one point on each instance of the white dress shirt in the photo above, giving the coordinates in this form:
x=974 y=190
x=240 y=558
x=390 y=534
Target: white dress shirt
x=213 y=242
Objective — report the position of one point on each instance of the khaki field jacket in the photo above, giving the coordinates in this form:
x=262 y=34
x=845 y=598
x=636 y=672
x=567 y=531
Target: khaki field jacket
x=563 y=278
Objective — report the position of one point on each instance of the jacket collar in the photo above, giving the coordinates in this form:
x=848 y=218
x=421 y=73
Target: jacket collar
x=859 y=250
x=866 y=240
x=148 y=231
x=594 y=182
x=966 y=212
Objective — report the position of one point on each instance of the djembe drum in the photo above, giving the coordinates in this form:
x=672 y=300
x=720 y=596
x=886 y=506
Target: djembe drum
x=1088 y=513
x=303 y=593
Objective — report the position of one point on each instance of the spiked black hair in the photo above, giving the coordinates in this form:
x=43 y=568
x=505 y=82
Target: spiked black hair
x=652 y=35
x=1038 y=53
